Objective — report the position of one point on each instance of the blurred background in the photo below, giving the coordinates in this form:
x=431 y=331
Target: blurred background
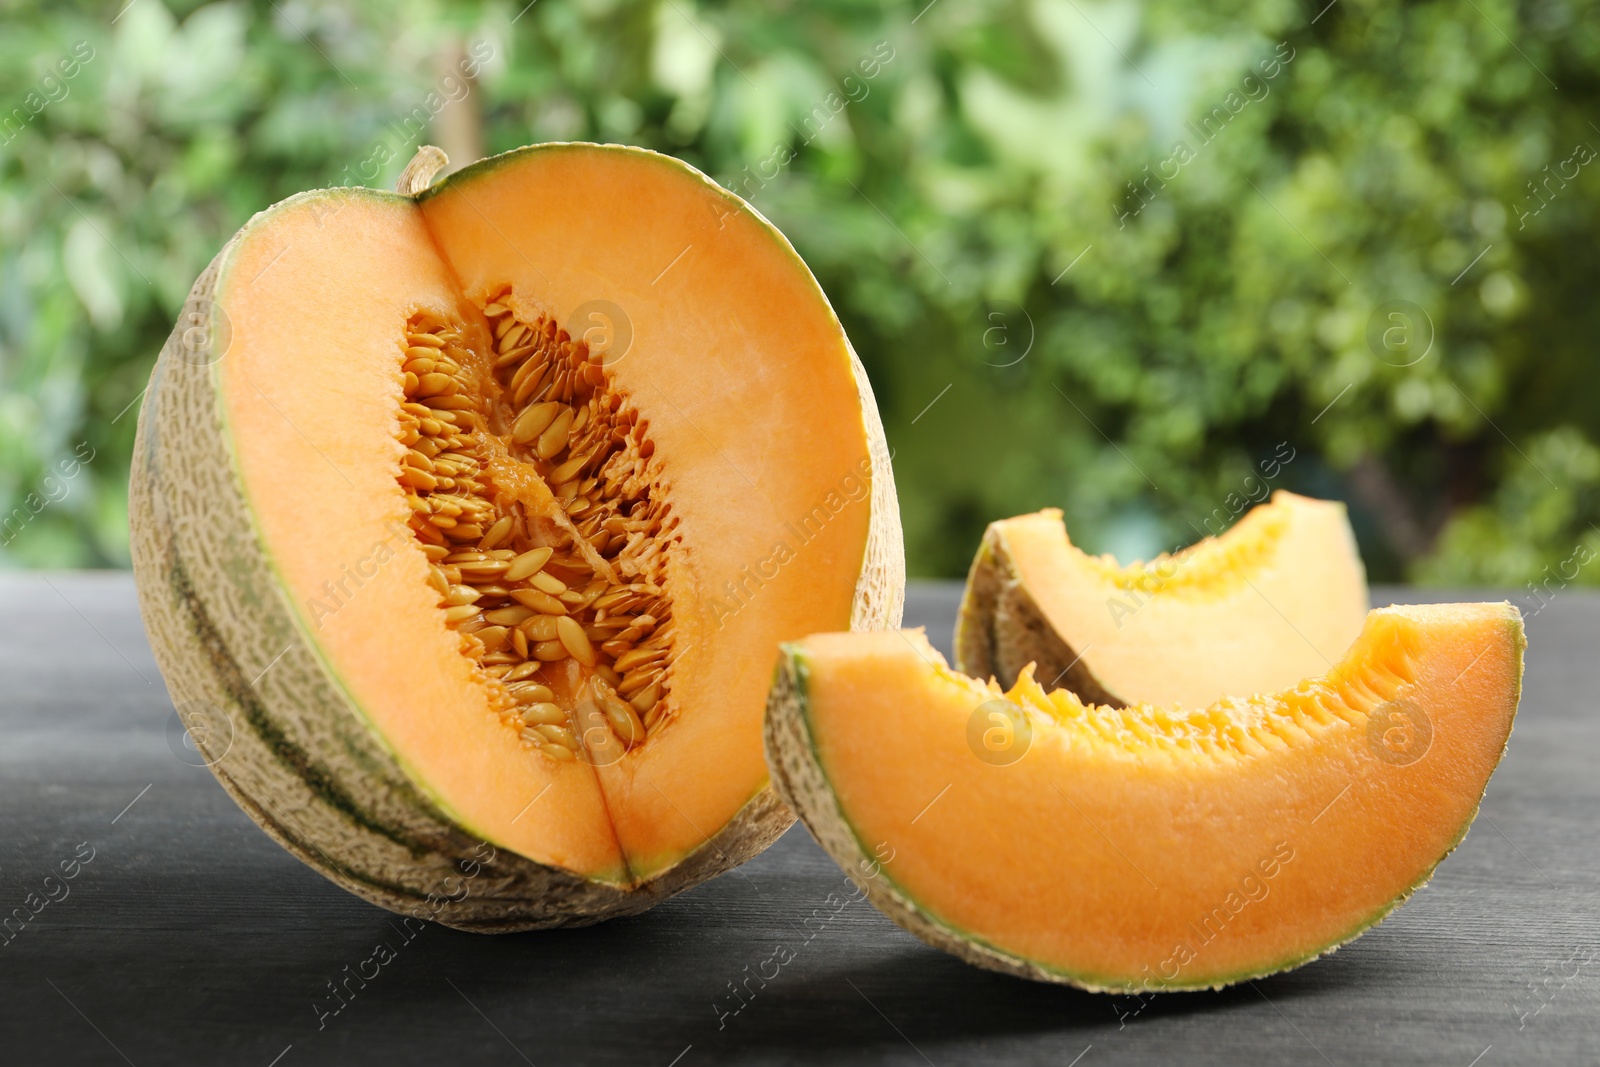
x=1141 y=260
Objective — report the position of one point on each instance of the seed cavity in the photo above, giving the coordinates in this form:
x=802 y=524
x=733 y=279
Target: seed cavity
x=557 y=599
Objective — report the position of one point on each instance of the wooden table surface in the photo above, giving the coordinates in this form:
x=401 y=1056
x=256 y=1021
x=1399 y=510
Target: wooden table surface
x=188 y=937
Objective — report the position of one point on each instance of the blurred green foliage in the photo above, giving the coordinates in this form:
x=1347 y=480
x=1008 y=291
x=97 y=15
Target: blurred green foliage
x=1058 y=305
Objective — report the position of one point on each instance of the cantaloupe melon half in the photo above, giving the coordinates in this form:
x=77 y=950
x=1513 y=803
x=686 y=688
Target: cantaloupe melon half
x=1276 y=598
x=1146 y=848
x=461 y=520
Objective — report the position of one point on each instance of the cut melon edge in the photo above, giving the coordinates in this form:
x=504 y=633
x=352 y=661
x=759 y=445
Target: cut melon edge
x=800 y=779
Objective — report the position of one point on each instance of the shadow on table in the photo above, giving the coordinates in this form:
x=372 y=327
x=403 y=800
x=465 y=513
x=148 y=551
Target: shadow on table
x=640 y=989
x=906 y=993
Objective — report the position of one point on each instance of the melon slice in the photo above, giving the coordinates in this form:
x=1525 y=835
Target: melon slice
x=1276 y=598
x=459 y=515
x=1146 y=848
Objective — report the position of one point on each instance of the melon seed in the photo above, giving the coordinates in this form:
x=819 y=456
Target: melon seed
x=567 y=471
x=554 y=438
x=549 y=651
x=638 y=657
x=540 y=627
x=527 y=564
x=632 y=683
x=572 y=636
x=543 y=713
x=620 y=714
x=539 y=601
x=647 y=699
x=508 y=616
x=533 y=421
x=559 y=752
x=521 y=671
x=497 y=533
x=559 y=734
x=548 y=583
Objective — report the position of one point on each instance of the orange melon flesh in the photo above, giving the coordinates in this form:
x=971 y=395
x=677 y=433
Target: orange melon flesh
x=753 y=453
x=1276 y=598
x=1159 y=848
x=748 y=386
x=315 y=444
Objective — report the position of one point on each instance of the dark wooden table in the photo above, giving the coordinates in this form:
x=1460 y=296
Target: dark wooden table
x=189 y=937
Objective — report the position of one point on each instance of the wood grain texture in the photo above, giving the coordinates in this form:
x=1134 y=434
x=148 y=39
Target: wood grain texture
x=191 y=938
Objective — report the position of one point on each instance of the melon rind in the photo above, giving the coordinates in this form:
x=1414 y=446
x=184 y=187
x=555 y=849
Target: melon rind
x=284 y=737
x=1000 y=628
